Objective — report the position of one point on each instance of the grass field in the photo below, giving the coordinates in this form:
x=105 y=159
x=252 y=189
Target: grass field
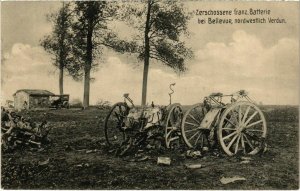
x=76 y=131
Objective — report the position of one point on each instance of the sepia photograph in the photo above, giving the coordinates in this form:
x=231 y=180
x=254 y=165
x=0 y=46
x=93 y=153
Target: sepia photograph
x=150 y=95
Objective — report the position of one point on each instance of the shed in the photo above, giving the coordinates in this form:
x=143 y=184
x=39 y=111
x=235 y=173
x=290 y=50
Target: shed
x=31 y=99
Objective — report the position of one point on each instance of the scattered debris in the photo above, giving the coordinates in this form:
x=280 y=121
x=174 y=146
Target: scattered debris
x=44 y=162
x=193 y=166
x=245 y=162
x=143 y=158
x=216 y=153
x=91 y=151
x=230 y=180
x=255 y=151
x=137 y=158
x=246 y=158
x=193 y=154
x=83 y=165
x=164 y=160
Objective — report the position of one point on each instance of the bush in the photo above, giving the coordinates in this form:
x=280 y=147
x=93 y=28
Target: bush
x=76 y=103
x=103 y=104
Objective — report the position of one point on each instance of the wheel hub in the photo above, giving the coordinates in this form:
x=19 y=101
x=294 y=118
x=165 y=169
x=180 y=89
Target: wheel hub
x=240 y=129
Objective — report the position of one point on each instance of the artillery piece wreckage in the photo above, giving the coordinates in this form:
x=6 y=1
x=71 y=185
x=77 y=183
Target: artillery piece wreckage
x=238 y=126
x=19 y=132
x=128 y=126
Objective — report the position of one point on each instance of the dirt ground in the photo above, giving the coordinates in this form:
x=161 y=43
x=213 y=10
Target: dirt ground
x=79 y=159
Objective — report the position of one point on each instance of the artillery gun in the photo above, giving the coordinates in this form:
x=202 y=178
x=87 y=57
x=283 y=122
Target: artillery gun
x=238 y=126
x=130 y=125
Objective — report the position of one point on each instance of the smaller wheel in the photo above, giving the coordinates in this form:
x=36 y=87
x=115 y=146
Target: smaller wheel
x=114 y=121
x=193 y=135
x=172 y=125
x=66 y=104
x=242 y=129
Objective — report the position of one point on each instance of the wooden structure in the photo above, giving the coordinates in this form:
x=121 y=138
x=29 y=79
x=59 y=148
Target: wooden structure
x=31 y=99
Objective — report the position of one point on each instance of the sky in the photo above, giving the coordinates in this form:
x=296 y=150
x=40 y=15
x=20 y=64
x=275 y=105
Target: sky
x=262 y=59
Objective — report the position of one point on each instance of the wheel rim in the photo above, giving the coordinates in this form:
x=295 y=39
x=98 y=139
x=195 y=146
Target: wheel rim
x=192 y=135
x=242 y=129
x=172 y=133
x=114 y=122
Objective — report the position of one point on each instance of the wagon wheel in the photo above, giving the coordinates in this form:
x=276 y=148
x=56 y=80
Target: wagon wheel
x=114 y=121
x=193 y=135
x=242 y=128
x=172 y=125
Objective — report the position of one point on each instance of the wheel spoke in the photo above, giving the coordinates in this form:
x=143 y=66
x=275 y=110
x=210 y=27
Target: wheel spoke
x=226 y=128
x=252 y=136
x=254 y=123
x=197 y=138
x=194 y=119
x=230 y=122
x=192 y=124
x=246 y=114
x=230 y=135
x=192 y=130
x=117 y=116
x=243 y=144
x=193 y=135
x=120 y=109
x=232 y=141
x=237 y=144
x=255 y=130
x=240 y=115
x=247 y=140
x=250 y=118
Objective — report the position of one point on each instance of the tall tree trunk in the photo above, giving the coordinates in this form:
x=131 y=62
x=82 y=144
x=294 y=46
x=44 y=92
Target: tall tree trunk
x=86 y=91
x=147 y=55
x=88 y=65
x=61 y=51
x=61 y=80
x=145 y=80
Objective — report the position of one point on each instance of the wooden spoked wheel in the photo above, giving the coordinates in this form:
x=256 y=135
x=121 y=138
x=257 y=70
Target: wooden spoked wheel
x=242 y=129
x=114 y=121
x=172 y=125
x=192 y=134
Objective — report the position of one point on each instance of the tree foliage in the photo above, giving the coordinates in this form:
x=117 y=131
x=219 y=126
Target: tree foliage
x=160 y=25
x=90 y=28
x=59 y=42
x=168 y=21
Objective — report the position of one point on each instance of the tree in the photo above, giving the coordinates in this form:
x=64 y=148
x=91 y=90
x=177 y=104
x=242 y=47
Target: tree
x=160 y=25
x=90 y=28
x=58 y=43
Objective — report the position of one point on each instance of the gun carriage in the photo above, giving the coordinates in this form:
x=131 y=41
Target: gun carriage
x=238 y=126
